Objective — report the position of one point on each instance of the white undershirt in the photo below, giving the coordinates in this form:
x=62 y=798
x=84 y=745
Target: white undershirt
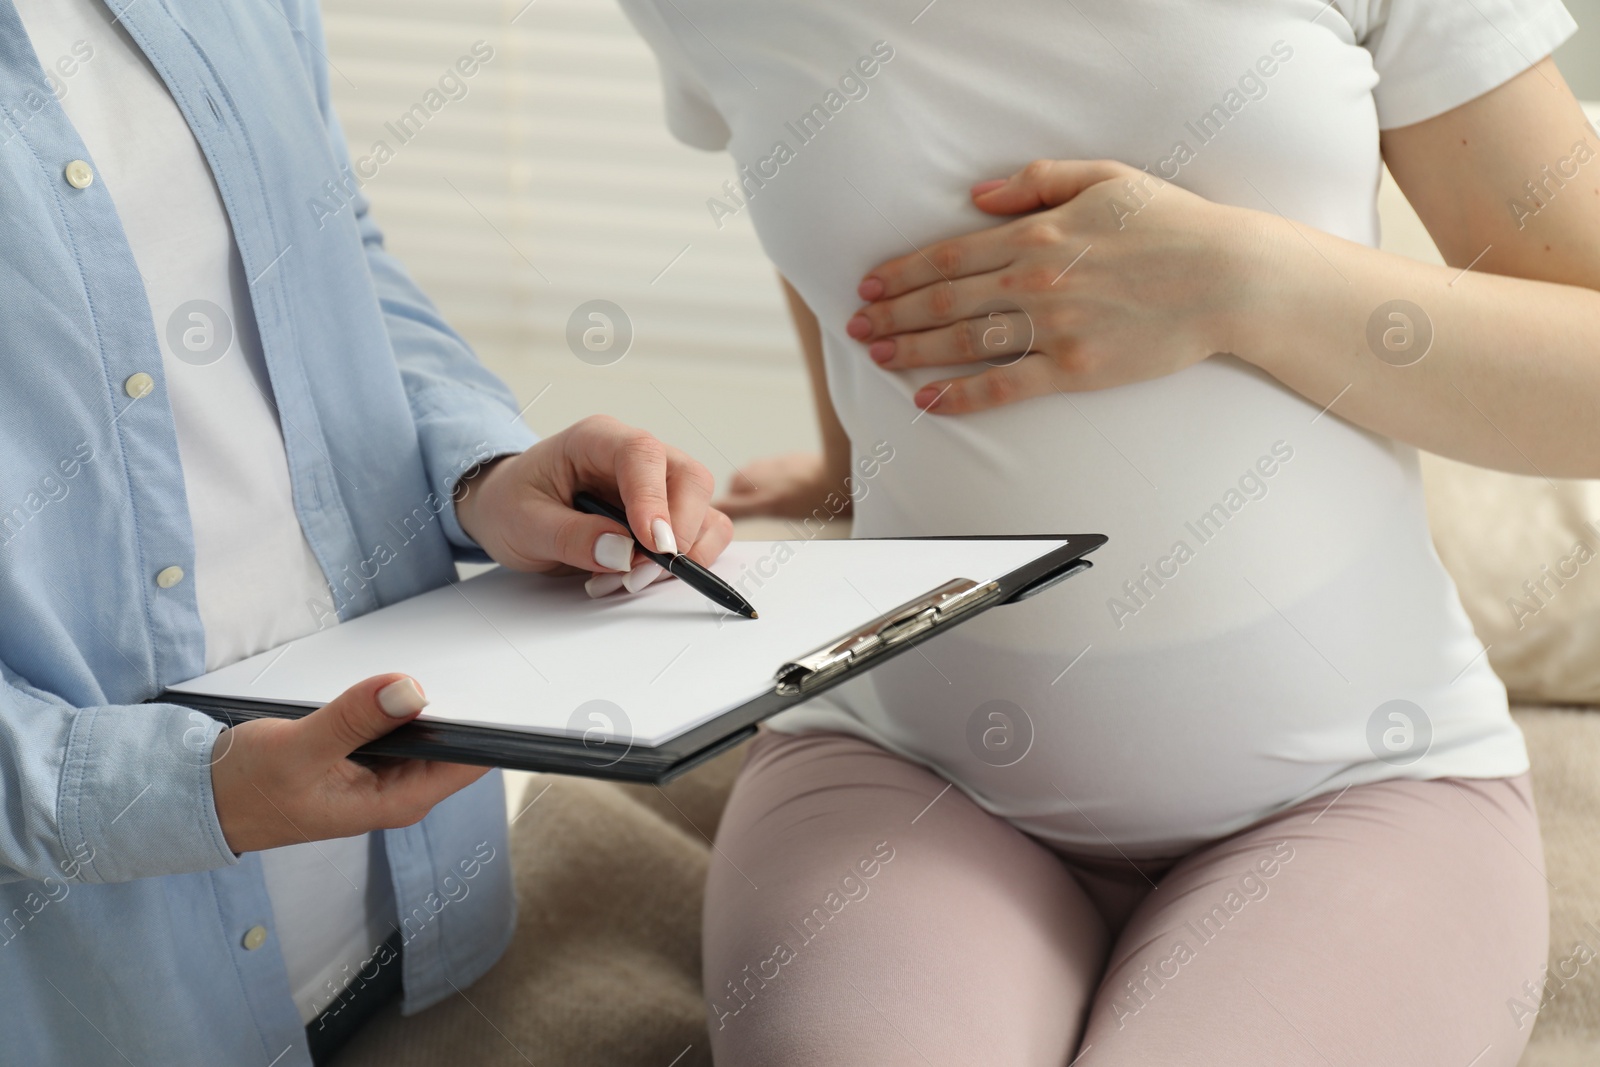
x=256 y=579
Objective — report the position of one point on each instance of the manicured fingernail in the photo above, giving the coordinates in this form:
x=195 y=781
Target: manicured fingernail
x=641 y=576
x=988 y=187
x=613 y=552
x=604 y=584
x=870 y=289
x=859 y=327
x=925 y=397
x=401 y=699
x=881 y=351
x=661 y=529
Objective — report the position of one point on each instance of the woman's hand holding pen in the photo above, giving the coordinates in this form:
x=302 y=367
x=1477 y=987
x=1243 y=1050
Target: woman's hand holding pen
x=519 y=508
x=1122 y=277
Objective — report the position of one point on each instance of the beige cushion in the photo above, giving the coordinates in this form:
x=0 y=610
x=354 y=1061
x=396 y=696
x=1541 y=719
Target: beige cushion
x=1525 y=554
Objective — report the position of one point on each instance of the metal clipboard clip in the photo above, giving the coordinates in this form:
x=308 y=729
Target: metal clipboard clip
x=888 y=631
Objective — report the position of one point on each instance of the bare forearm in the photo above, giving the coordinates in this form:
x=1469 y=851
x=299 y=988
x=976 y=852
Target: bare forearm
x=1508 y=185
x=1499 y=371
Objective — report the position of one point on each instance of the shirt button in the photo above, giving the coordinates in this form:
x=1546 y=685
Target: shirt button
x=139 y=385
x=169 y=577
x=79 y=174
x=255 y=937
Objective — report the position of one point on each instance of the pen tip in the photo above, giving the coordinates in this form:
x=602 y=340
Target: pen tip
x=755 y=614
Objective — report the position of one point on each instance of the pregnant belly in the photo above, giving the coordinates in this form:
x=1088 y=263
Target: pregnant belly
x=1268 y=583
x=1206 y=482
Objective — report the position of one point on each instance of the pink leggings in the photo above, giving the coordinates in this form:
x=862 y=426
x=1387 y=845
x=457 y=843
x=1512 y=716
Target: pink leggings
x=848 y=922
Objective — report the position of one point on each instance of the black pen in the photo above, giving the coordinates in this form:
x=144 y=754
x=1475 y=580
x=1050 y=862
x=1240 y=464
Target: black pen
x=678 y=565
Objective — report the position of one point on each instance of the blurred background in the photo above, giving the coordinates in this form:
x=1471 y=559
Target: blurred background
x=548 y=180
x=554 y=182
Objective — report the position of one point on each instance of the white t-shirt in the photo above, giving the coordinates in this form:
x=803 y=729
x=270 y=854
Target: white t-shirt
x=256 y=579
x=1270 y=586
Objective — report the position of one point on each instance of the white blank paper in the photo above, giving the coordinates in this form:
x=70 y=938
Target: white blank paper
x=527 y=652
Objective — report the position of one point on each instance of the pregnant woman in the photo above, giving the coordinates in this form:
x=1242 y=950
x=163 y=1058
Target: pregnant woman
x=1248 y=791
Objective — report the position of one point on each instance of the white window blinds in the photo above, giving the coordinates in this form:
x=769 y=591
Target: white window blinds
x=518 y=162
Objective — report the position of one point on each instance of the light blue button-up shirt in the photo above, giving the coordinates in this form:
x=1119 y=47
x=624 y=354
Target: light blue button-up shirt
x=123 y=914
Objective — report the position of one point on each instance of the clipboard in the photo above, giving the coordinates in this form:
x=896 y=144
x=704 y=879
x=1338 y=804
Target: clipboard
x=602 y=750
